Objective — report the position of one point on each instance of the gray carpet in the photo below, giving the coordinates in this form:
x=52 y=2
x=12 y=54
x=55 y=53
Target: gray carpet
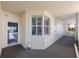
x=63 y=48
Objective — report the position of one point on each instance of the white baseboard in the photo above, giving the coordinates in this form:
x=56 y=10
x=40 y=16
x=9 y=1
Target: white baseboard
x=76 y=50
x=0 y=52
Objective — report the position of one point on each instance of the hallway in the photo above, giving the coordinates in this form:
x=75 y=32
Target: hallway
x=63 y=48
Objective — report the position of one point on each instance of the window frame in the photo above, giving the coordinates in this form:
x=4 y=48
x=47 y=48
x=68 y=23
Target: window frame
x=47 y=26
x=42 y=25
x=71 y=29
x=36 y=16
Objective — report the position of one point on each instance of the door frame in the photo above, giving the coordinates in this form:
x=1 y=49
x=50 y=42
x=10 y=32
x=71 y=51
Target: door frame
x=7 y=45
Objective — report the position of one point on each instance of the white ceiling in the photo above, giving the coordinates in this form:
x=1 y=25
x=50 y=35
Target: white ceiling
x=56 y=8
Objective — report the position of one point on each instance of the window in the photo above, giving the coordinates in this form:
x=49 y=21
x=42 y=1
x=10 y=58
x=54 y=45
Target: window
x=37 y=25
x=71 y=27
x=39 y=21
x=12 y=32
x=33 y=30
x=39 y=30
x=33 y=21
x=46 y=25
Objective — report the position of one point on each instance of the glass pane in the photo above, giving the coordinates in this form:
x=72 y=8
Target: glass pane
x=33 y=30
x=39 y=30
x=46 y=21
x=46 y=30
x=33 y=21
x=12 y=32
x=39 y=21
x=71 y=27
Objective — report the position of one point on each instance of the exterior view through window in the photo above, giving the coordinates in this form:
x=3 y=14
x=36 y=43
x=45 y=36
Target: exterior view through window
x=38 y=25
x=71 y=27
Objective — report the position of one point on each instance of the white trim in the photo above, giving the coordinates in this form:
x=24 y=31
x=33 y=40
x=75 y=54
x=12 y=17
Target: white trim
x=43 y=18
x=36 y=16
x=30 y=26
x=49 y=26
x=0 y=53
x=14 y=43
x=76 y=50
x=43 y=26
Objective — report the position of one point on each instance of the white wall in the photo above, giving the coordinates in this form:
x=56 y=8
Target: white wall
x=37 y=42
x=8 y=17
x=78 y=28
x=69 y=20
x=59 y=28
x=76 y=22
x=23 y=22
x=56 y=30
x=0 y=30
x=68 y=33
x=51 y=38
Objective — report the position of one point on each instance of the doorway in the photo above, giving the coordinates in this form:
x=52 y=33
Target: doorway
x=12 y=32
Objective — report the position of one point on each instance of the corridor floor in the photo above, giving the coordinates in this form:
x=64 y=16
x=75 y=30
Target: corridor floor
x=63 y=48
